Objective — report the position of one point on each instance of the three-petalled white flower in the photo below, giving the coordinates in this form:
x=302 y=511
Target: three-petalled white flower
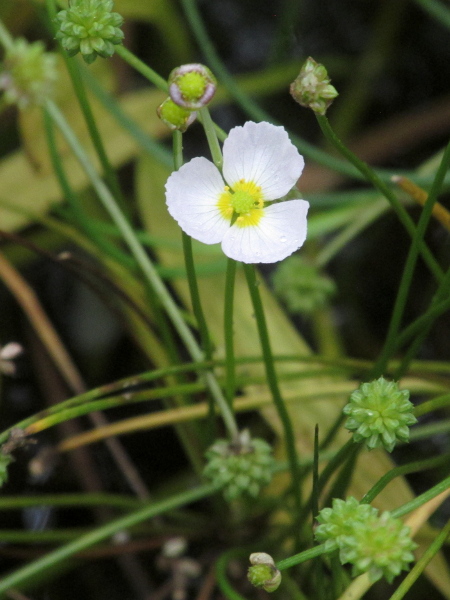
x=260 y=165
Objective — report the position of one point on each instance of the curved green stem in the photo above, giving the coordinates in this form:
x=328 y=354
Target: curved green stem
x=51 y=560
x=302 y=557
x=189 y=262
x=379 y=184
x=410 y=265
x=211 y=136
x=414 y=467
x=436 y=9
x=401 y=511
x=228 y=326
x=272 y=381
x=142 y=68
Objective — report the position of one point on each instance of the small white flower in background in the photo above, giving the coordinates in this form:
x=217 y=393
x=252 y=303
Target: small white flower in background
x=7 y=355
x=260 y=165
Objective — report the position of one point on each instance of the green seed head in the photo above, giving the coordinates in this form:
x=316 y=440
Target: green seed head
x=91 y=28
x=27 y=74
x=380 y=414
x=240 y=468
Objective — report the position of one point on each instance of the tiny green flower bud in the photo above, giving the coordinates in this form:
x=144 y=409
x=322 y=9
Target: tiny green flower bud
x=312 y=87
x=91 y=28
x=192 y=86
x=301 y=286
x=240 y=467
x=27 y=74
x=174 y=116
x=380 y=414
x=263 y=572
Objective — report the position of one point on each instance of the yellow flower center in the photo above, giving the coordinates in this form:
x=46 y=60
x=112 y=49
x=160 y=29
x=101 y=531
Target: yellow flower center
x=246 y=200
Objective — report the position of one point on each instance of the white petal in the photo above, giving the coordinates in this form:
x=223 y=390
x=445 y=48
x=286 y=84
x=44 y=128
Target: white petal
x=192 y=194
x=263 y=153
x=280 y=232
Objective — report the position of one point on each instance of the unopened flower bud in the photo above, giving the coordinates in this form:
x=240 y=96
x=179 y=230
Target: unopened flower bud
x=27 y=74
x=192 y=86
x=312 y=87
x=241 y=467
x=91 y=28
x=380 y=414
x=263 y=572
x=174 y=116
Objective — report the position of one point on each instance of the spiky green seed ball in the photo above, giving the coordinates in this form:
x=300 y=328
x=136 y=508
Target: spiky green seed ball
x=27 y=73
x=91 y=28
x=239 y=469
x=339 y=521
x=380 y=414
x=381 y=547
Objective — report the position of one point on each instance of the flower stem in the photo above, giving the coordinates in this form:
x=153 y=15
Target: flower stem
x=302 y=557
x=189 y=261
x=272 y=381
x=211 y=135
x=379 y=184
x=144 y=263
x=142 y=68
x=410 y=265
x=230 y=384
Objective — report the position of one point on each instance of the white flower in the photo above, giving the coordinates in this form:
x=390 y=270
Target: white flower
x=260 y=164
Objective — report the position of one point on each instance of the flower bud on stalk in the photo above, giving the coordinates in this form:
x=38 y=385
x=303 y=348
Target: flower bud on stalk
x=174 y=116
x=91 y=28
x=192 y=86
x=312 y=87
x=263 y=572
